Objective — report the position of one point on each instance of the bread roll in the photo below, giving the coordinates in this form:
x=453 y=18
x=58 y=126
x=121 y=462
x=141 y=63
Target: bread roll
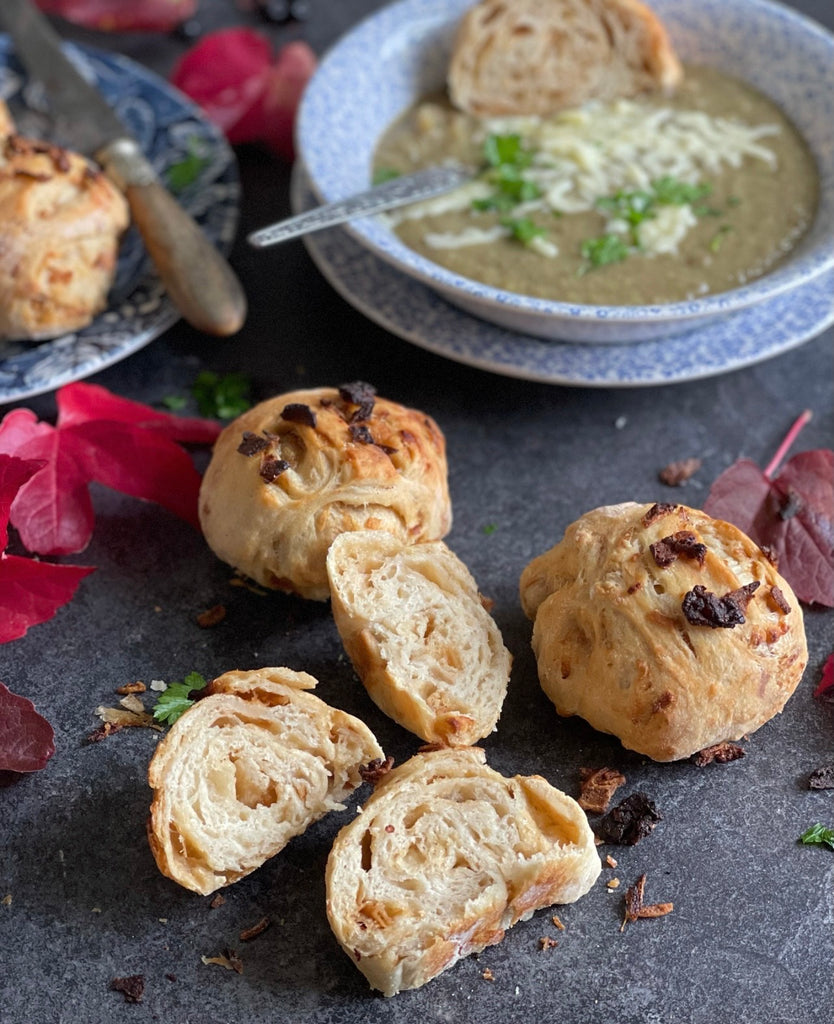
x=6 y=122
x=540 y=56
x=413 y=623
x=291 y=474
x=245 y=769
x=638 y=629
x=445 y=856
x=60 y=224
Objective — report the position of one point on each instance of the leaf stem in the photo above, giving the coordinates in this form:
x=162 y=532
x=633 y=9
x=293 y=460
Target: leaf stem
x=790 y=437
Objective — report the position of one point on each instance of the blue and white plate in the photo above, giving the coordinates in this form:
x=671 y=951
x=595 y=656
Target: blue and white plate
x=173 y=133
x=417 y=313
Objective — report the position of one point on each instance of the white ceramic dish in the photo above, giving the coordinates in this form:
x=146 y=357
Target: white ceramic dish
x=352 y=99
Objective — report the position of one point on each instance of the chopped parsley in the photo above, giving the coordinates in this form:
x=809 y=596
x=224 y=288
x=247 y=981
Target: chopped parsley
x=383 y=174
x=221 y=397
x=523 y=229
x=598 y=252
x=174 y=701
x=818 y=835
x=506 y=149
x=717 y=239
x=668 y=191
x=489 y=529
x=186 y=171
x=506 y=158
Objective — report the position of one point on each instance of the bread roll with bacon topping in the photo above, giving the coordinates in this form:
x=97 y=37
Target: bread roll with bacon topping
x=667 y=628
x=528 y=57
x=445 y=856
x=422 y=642
x=294 y=472
x=246 y=768
x=61 y=220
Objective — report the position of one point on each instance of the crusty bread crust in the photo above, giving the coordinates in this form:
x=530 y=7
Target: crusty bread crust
x=614 y=646
x=415 y=627
x=245 y=769
x=526 y=57
x=277 y=531
x=61 y=220
x=445 y=856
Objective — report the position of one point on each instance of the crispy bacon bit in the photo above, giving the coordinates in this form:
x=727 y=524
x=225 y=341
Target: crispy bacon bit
x=635 y=908
x=272 y=468
x=298 y=412
x=104 y=730
x=487 y=974
x=634 y=587
x=770 y=555
x=377 y=769
x=217 y=901
x=227 y=959
x=137 y=687
x=683 y=544
x=252 y=444
x=630 y=821
x=778 y=599
x=656 y=910
x=211 y=616
x=545 y=942
x=598 y=785
x=357 y=392
x=822 y=778
x=679 y=472
x=703 y=608
x=721 y=753
x=660 y=508
x=131 y=987
x=360 y=433
x=252 y=933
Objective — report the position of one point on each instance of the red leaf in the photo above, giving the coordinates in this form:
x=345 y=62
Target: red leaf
x=81 y=403
x=14 y=473
x=31 y=592
x=26 y=738
x=122 y=15
x=826 y=684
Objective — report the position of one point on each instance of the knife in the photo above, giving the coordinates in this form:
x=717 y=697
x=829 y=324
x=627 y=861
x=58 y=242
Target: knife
x=199 y=281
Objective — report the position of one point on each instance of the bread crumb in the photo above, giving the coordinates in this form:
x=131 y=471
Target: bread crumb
x=613 y=883
x=487 y=974
x=137 y=687
x=557 y=922
x=610 y=861
x=7 y=900
x=229 y=960
x=217 y=901
x=545 y=942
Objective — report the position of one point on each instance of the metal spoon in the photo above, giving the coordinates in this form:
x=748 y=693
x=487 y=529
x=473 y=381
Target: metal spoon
x=408 y=188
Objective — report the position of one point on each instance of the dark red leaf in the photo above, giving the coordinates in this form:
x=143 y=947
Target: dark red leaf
x=122 y=15
x=826 y=684
x=31 y=592
x=26 y=738
x=14 y=472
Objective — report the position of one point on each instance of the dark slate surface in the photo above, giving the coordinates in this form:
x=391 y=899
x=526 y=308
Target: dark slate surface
x=752 y=934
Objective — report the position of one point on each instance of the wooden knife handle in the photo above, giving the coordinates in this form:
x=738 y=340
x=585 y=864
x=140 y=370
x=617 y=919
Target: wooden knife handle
x=198 y=279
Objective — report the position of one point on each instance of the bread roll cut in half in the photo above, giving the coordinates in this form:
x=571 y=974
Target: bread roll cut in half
x=294 y=472
x=445 y=856
x=246 y=768
x=536 y=57
x=664 y=627
x=422 y=642
x=61 y=221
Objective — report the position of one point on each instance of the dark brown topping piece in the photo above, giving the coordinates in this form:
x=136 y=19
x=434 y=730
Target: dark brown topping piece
x=635 y=908
x=630 y=821
x=720 y=753
x=660 y=508
x=778 y=599
x=360 y=433
x=683 y=544
x=298 y=412
x=252 y=444
x=377 y=769
x=217 y=901
x=272 y=468
x=255 y=930
x=137 y=687
x=822 y=778
x=545 y=942
x=104 y=730
x=357 y=392
x=131 y=987
x=679 y=472
x=703 y=608
x=598 y=785
x=211 y=616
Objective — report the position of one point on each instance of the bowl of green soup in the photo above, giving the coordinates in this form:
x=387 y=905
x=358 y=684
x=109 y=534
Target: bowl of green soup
x=613 y=222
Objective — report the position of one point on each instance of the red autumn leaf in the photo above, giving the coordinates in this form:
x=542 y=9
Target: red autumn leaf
x=26 y=738
x=14 y=473
x=790 y=513
x=826 y=684
x=231 y=74
x=122 y=15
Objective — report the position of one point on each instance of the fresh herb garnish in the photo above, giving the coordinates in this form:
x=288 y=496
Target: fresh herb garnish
x=186 y=171
x=176 y=700
x=489 y=529
x=598 y=252
x=818 y=835
x=669 y=191
x=383 y=174
x=717 y=239
x=632 y=207
x=506 y=149
x=523 y=229
x=507 y=158
x=221 y=397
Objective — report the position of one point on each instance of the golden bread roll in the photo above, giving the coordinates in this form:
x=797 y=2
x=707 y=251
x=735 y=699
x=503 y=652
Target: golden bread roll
x=294 y=472
x=667 y=628
x=444 y=857
x=246 y=768
x=422 y=642
x=6 y=122
x=61 y=220
x=536 y=57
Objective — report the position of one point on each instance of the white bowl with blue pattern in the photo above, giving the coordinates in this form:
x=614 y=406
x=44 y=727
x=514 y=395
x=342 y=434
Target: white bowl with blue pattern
x=401 y=52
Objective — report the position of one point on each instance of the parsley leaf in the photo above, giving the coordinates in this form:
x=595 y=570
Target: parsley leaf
x=668 y=191
x=383 y=174
x=523 y=229
x=221 y=397
x=506 y=149
x=507 y=158
x=176 y=700
x=603 y=250
x=717 y=239
x=818 y=835
x=186 y=171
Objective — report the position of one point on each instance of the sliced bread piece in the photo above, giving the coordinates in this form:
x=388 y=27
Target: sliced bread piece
x=536 y=57
x=445 y=856
x=422 y=642
x=249 y=766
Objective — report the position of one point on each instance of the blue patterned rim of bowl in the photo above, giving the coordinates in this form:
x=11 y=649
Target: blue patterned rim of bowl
x=401 y=52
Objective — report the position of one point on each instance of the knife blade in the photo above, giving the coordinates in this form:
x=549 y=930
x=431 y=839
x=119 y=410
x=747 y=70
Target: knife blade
x=199 y=281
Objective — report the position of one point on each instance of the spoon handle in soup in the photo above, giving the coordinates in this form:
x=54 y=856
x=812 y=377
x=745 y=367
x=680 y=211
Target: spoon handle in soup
x=399 y=191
